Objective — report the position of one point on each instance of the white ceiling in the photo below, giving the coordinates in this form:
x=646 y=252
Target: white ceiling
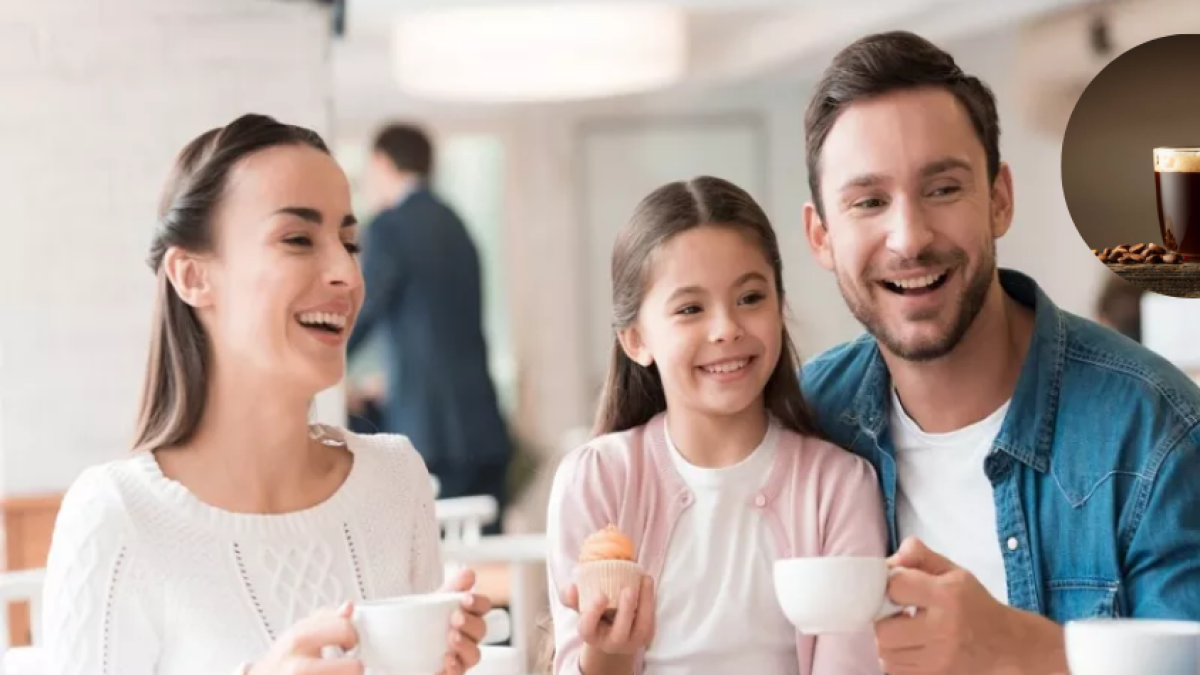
x=731 y=40
x=366 y=10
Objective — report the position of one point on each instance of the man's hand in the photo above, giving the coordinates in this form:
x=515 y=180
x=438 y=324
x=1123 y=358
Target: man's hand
x=959 y=627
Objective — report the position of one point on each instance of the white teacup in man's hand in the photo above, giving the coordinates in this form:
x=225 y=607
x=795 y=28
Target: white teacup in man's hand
x=833 y=594
x=1133 y=647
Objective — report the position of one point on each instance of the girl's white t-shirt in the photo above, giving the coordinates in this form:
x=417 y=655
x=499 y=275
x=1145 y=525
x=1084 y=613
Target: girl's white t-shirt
x=716 y=607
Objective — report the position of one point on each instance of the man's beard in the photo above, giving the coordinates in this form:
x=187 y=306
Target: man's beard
x=967 y=308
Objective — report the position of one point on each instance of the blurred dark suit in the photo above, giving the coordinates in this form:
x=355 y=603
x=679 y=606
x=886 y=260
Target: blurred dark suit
x=424 y=291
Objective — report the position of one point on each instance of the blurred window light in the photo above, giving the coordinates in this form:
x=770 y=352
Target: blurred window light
x=1170 y=327
x=522 y=53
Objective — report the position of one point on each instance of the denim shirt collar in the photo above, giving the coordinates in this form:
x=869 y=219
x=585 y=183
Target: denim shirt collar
x=1027 y=434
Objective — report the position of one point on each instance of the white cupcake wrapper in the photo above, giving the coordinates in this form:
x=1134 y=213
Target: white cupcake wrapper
x=609 y=577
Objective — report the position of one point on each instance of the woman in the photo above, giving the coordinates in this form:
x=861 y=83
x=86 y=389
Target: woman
x=236 y=537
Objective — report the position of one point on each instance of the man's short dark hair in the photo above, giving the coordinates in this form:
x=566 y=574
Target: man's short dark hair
x=886 y=62
x=408 y=148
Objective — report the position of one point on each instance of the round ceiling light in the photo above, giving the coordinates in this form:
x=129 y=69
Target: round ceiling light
x=539 y=52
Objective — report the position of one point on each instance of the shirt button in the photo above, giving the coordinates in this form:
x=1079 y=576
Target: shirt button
x=1013 y=543
x=760 y=501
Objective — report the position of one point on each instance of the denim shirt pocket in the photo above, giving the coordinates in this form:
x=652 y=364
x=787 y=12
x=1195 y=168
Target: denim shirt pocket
x=1071 y=599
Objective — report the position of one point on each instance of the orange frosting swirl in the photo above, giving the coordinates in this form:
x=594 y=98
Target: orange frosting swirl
x=607 y=544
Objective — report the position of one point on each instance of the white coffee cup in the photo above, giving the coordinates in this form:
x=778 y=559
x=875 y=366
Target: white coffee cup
x=407 y=635
x=1132 y=647
x=833 y=594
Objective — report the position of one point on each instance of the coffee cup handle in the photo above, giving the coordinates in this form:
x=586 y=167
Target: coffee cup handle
x=498 y=627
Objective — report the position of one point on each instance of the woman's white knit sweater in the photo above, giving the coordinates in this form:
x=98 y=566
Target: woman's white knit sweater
x=143 y=578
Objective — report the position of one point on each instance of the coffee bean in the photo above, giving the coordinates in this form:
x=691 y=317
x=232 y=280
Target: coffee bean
x=1135 y=257
x=1137 y=249
x=1102 y=258
x=1171 y=259
x=1154 y=259
x=1108 y=252
x=1120 y=249
x=1155 y=248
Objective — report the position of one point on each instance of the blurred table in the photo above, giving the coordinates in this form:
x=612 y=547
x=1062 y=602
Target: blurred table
x=1180 y=280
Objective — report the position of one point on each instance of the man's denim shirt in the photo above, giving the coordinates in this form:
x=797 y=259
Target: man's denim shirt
x=1095 y=471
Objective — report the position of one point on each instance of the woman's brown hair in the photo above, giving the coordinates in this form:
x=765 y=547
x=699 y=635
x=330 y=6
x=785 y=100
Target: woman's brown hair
x=175 y=388
x=633 y=394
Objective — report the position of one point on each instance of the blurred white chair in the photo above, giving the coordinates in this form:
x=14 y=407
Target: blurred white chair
x=463 y=518
x=25 y=661
x=525 y=554
x=24 y=586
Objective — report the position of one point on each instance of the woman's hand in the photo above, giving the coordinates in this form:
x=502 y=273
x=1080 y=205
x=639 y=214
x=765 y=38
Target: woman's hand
x=467 y=628
x=630 y=629
x=298 y=651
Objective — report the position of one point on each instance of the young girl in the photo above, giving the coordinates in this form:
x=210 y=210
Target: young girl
x=707 y=458
x=237 y=536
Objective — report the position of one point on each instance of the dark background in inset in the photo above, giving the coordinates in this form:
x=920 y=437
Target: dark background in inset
x=1146 y=98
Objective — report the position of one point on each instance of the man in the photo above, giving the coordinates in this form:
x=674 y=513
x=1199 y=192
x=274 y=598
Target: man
x=1119 y=307
x=424 y=291
x=1037 y=467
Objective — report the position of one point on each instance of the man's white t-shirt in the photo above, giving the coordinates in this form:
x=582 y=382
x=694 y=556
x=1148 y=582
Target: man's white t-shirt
x=716 y=612
x=944 y=497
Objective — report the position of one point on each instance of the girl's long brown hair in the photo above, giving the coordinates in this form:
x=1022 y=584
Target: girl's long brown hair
x=633 y=394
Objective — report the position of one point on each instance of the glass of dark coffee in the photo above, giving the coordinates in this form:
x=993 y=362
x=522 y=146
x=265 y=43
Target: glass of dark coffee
x=1177 y=187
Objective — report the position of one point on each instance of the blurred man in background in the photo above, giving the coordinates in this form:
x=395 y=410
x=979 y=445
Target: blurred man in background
x=424 y=292
x=1120 y=307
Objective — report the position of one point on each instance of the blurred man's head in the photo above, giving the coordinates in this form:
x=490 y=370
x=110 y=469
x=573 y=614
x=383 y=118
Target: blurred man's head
x=401 y=156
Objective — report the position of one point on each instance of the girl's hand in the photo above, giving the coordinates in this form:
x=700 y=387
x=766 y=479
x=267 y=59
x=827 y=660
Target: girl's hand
x=299 y=649
x=630 y=629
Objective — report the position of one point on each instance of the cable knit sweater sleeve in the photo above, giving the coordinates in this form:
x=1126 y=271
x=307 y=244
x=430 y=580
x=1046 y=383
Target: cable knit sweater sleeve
x=97 y=603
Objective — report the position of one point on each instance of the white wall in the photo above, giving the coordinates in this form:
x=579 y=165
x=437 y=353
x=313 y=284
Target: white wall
x=95 y=100
x=1043 y=241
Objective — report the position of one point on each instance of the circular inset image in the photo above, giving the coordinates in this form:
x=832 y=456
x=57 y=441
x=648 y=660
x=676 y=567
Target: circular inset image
x=1131 y=166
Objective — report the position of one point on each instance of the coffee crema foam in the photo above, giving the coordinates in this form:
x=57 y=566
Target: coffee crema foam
x=1180 y=160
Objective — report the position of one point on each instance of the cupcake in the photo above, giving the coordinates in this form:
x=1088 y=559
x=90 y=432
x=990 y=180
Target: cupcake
x=606 y=565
